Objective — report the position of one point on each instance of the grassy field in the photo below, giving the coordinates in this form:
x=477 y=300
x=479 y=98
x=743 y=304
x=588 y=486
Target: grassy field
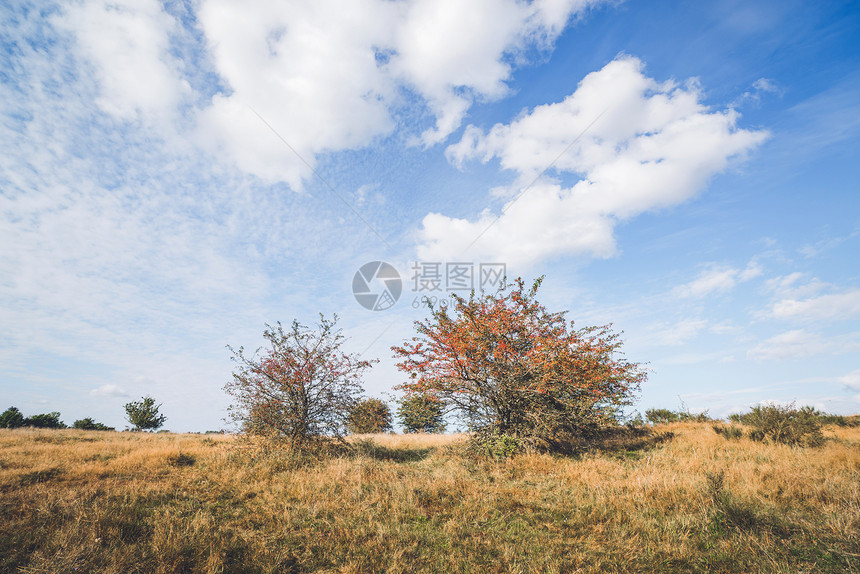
x=87 y=501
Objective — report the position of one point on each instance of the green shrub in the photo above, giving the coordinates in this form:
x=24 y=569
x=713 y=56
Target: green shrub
x=662 y=416
x=11 y=418
x=839 y=420
x=369 y=416
x=659 y=416
x=45 y=421
x=90 y=424
x=785 y=424
x=419 y=412
x=496 y=446
x=143 y=414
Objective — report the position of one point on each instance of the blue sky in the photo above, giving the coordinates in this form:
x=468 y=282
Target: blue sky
x=175 y=175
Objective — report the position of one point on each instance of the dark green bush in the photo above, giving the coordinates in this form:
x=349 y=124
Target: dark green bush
x=496 y=446
x=839 y=420
x=785 y=424
x=421 y=413
x=369 y=416
x=89 y=424
x=45 y=421
x=662 y=416
x=143 y=414
x=11 y=418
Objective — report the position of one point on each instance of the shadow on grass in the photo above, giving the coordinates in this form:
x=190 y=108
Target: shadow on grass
x=623 y=442
x=730 y=513
x=370 y=449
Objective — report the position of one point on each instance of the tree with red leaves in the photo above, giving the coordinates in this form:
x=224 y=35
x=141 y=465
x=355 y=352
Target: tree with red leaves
x=301 y=389
x=511 y=368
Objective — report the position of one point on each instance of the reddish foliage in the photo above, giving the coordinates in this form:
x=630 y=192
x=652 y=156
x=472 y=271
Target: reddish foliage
x=303 y=387
x=511 y=367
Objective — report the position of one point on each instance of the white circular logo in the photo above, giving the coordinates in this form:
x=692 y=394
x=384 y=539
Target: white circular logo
x=377 y=286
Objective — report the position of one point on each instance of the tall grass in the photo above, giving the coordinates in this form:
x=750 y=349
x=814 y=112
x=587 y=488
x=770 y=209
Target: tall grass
x=86 y=501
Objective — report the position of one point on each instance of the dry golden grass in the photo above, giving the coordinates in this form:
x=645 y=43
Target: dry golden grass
x=78 y=501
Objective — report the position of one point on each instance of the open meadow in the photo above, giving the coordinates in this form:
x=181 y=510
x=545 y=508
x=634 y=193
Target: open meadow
x=88 y=501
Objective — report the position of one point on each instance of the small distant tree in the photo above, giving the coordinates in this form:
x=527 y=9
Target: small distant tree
x=421 y=412
x=369 y=416
x=143 y=414
x=11 y=418
x=302 y=388
x=661 y=416
x=90 y=424
x=512 y=368
x=45 y=421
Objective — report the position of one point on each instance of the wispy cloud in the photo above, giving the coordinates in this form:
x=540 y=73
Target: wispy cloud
x=717 y=279
x=108 y=391
x=851 y=380
x=680 y=332
x=829 y=307
x=799 y=344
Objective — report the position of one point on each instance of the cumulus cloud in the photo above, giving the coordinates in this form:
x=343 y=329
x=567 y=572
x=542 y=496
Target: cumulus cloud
x=634 y=143
x=309 y=69
x=323 y=74
x=453 y=52
x=127 y=43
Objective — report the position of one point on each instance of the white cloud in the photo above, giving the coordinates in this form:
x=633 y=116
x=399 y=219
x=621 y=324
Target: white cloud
x=790 y=286
x=108 y=391
x=814 y=249
x=766 y=85
x=679 y=332
x=453 y=52
x=326 y=75
x=308 y=68
x=794 y=344
x=128 y=43
x=655 y=145
x=759 y=88
x=832 y=306
x=708 y=282
x=851 y=380
x=717 y=280
x=752 y=270
x=800 y=344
